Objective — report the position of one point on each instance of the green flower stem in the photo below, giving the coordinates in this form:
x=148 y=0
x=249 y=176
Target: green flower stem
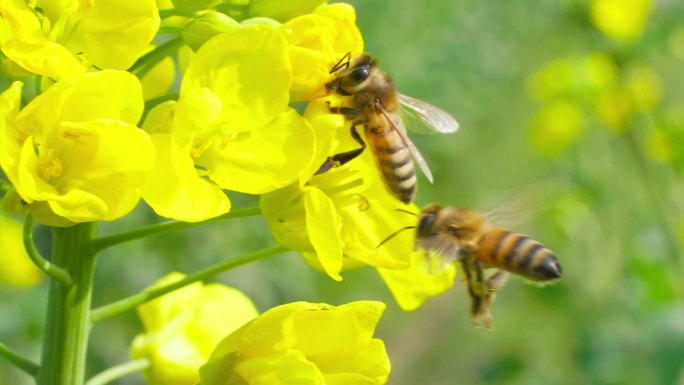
x=150 y=104
x=152 y=58
x=118 y=371
x=4 y=186
x=167 y=227
x=133 y=301
x=19 y=361
x=68 y=314
x=51 y=270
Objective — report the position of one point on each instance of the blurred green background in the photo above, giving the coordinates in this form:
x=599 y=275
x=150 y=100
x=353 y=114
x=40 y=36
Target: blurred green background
x=571 y=110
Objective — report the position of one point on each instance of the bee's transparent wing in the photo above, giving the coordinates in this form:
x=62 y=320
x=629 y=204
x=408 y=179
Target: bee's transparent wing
x=407 y=142
x=424 y=118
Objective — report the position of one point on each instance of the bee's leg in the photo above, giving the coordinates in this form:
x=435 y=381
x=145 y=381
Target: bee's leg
x=493 y=284
x=477 y=287
x=342 y=158
x=348 y=112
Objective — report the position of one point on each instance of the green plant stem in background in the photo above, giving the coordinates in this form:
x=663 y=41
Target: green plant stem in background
x=667 y=222
x=135 y=300
x=18 y=360
x=146 y=62
x=167 y=227
x=68 y=314
x=56 y=273
x=118 y=371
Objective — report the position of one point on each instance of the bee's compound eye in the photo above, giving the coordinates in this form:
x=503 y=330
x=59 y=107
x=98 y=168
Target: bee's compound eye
x=360 y=74
x=425 y=225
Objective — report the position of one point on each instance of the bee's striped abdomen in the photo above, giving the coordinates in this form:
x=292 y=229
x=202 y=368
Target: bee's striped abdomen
x=394 y=162
x=518 y=254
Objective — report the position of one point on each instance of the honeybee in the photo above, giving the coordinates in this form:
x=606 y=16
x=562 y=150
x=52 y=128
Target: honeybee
x=466 y=236
x=372 y=101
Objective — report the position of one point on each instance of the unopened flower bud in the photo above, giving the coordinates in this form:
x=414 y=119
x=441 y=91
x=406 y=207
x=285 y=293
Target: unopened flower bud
x=207 y=26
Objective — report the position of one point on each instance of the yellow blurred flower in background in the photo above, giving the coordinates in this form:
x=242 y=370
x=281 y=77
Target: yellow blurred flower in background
x=58 y=38
x=623 y=20
x=580 y=76
x=183 y=327
x=74 y=154
x=556 y=126
x=303 y=344
x=17 y=268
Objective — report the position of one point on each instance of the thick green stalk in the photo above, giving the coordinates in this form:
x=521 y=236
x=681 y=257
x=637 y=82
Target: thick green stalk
x=68 y=314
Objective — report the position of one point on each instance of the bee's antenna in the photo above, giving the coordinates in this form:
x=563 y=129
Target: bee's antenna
x=406 y=211
x=344 y=62
x=394 y=234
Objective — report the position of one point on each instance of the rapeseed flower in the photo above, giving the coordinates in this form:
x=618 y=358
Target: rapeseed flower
x=318 y=40
x=231 y=127
x=343 y=214
x=303 y=343
x=63 y=38
x=74 y=154
x=183 y=327
x=622 y=20
x=338 y=218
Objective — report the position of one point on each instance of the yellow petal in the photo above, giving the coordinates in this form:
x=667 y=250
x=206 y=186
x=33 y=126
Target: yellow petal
x=282 y=10
x=105 y=160
x=369 y=366
x=173 y=356
x=249 y=70
x=114 y=33
x=286 y=368
x=284 y=210
x=183 y=328
x=115 y=95
x=206 y=26
x=264 y=159
x=412 y=286
x=348 y=328
x=175 y=190
x=157 y=313
x=10 y=140
x=274 y=329
x=319 y=40
x=159 y=80
x=26 y=44
x=323 y=225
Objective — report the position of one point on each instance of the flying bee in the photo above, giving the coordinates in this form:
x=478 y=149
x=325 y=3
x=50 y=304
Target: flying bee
x=371 y=101
x=456 y=234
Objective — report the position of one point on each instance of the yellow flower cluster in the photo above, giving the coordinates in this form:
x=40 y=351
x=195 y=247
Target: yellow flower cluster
x=214 y=335
x=80 y=144
x=577 y=88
